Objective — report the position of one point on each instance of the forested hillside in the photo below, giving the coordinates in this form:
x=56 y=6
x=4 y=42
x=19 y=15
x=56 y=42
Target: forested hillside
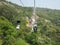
x=48 y=32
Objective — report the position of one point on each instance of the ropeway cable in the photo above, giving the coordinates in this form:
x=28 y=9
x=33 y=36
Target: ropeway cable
x=22 y=3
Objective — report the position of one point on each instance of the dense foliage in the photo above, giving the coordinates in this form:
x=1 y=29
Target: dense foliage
x=48 y=26
x=7 y=32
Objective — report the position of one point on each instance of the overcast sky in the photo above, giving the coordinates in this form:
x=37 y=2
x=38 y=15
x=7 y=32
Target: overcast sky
x=53 y=4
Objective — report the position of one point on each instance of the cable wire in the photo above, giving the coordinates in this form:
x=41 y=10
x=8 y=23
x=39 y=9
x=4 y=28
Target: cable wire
x=22 y=3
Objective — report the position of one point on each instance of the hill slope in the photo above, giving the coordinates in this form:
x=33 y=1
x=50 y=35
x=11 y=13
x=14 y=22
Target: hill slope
x=48 y=24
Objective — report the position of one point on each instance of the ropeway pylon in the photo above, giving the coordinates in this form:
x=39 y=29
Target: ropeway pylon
x=34 y=24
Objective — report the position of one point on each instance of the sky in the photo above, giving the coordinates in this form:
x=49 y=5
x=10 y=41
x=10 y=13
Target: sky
x=52 y=4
